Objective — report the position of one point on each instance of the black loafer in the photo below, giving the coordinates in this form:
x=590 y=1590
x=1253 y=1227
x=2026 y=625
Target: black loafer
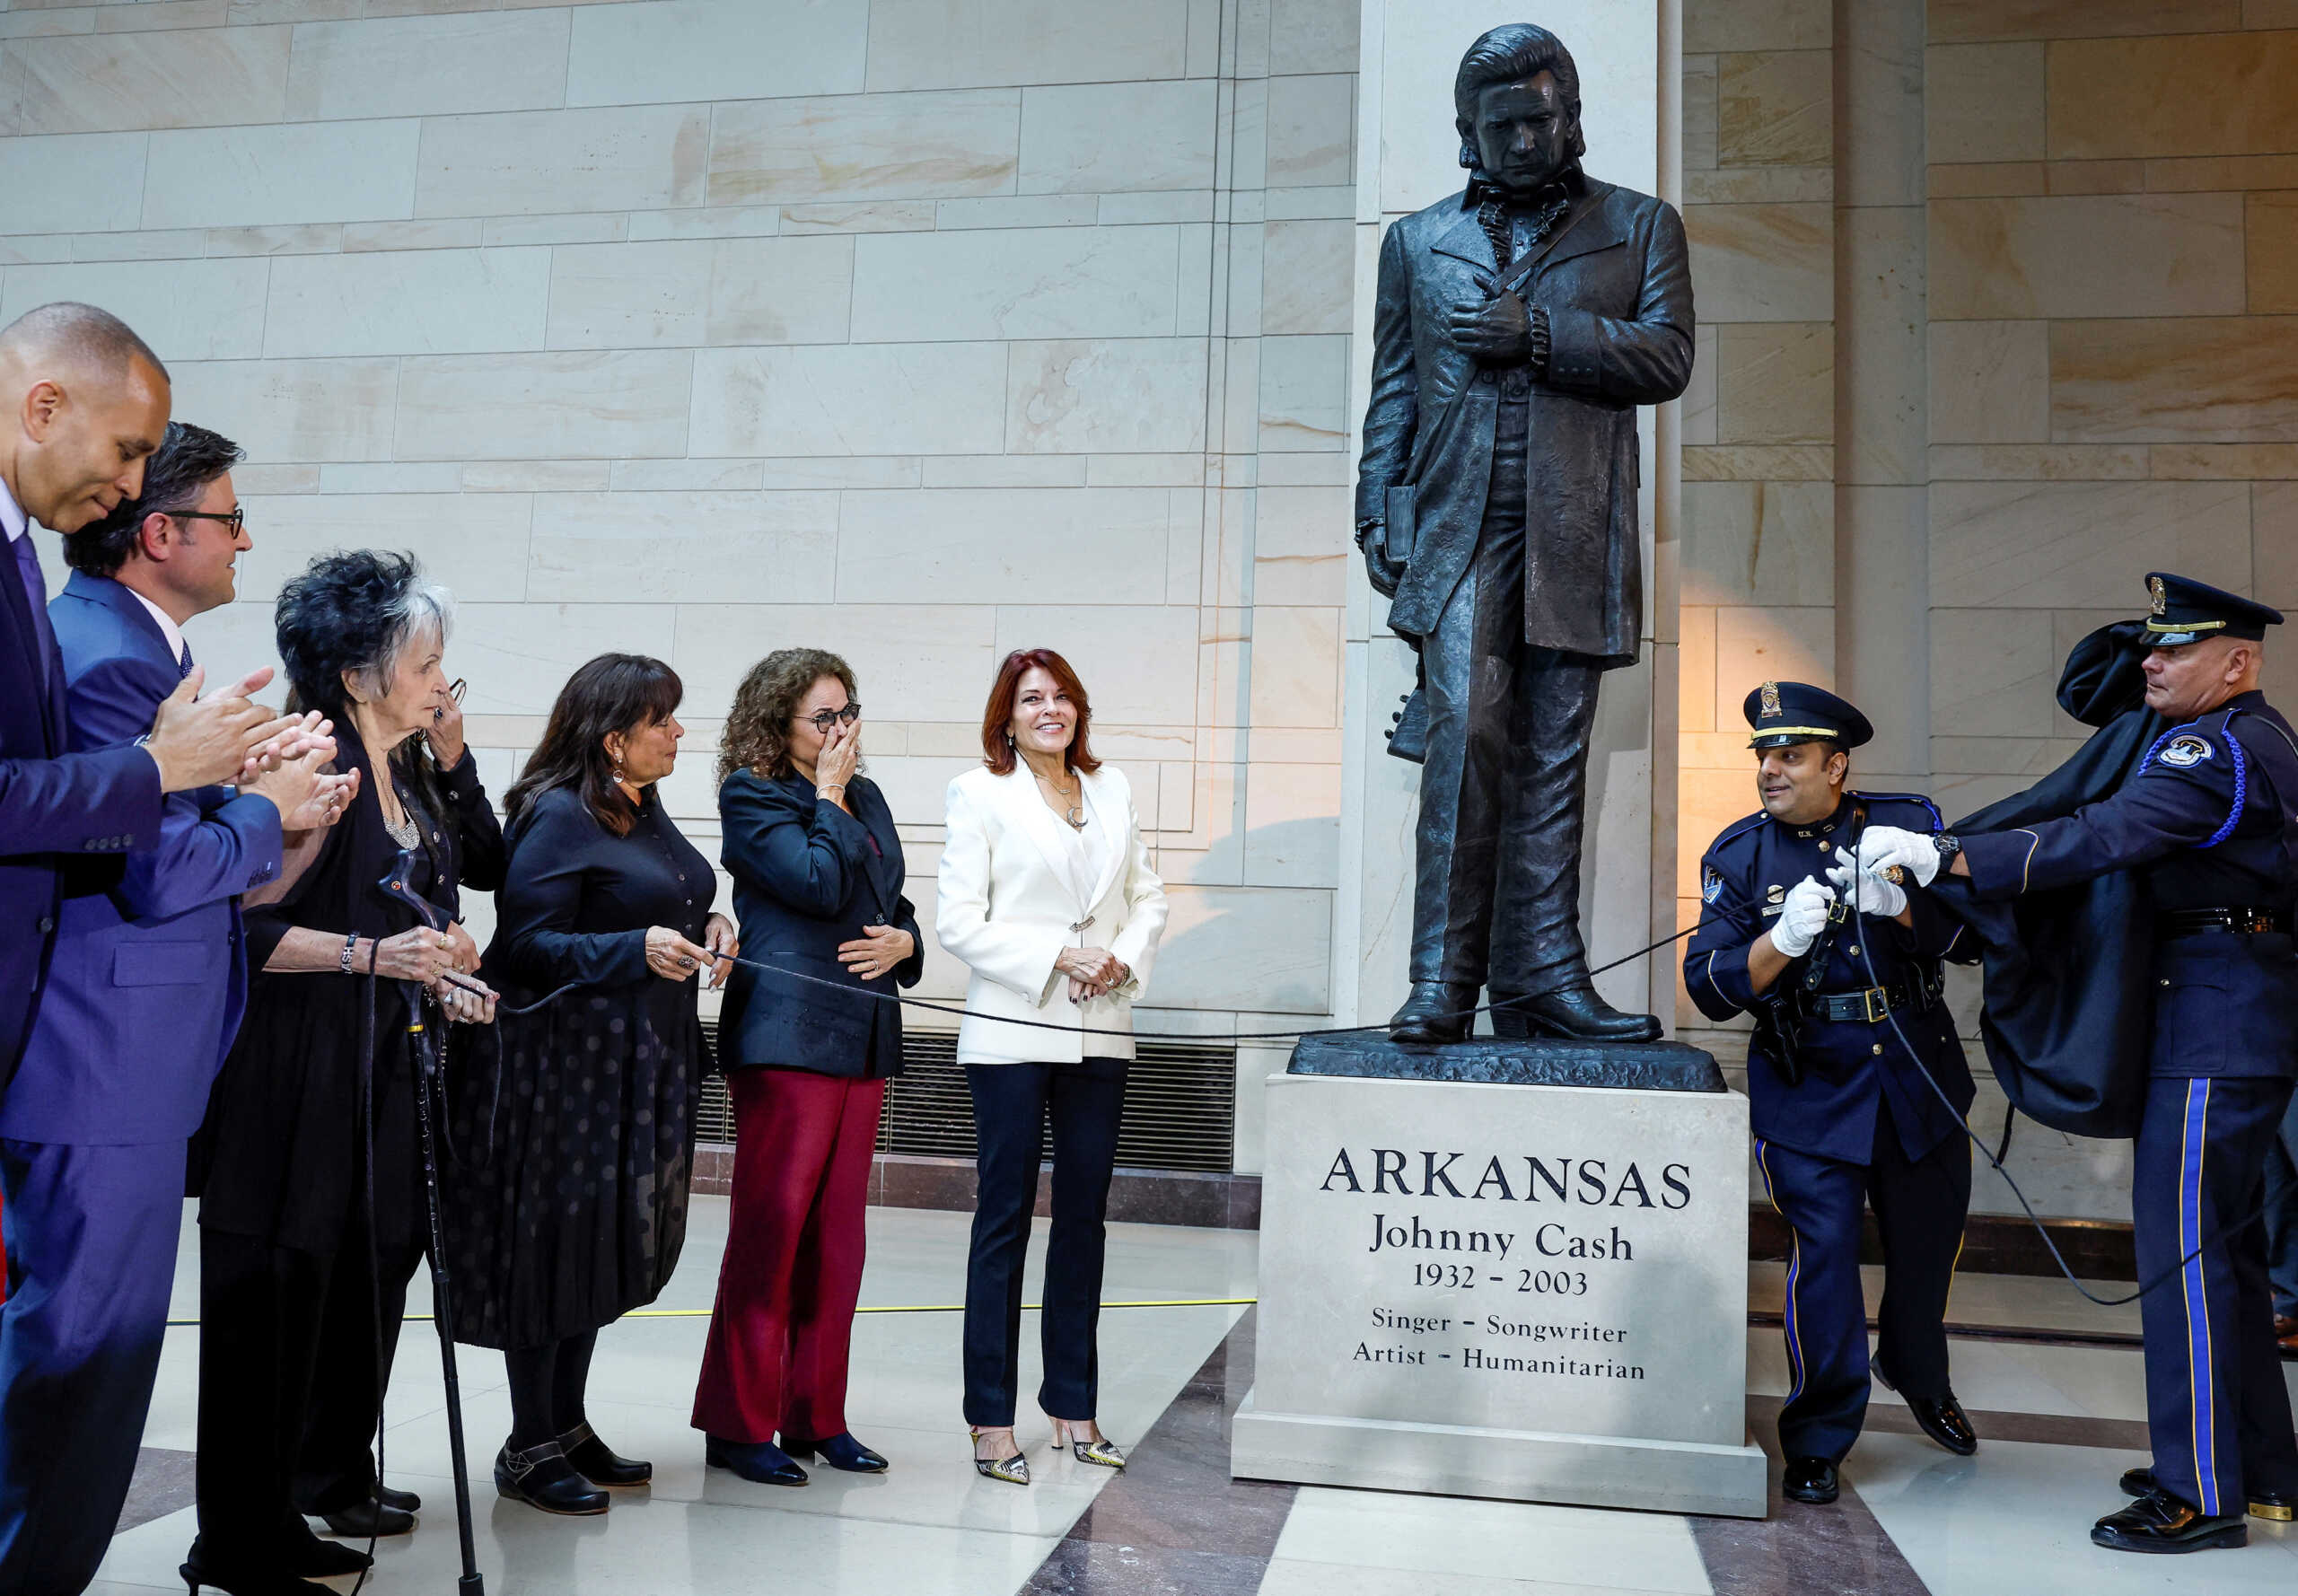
x=760 y=1461
x=541 y=1476
x=1434 y=1012
x=1941 y=1418
x=597 y=1462
x=2275 y=1507
x=1811 y=1480
x=363 y=1519
x=2159 y=1521
x=840 y=1452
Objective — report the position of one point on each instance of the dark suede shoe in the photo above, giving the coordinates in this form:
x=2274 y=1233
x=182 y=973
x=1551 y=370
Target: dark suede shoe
x=2277 y=1507
x=1941 y=1418
x=1811 y=1480
x=1576 y=1014
x=2161 y=1523
x=1436 y=1012
x=841 y=1452
x=761 y=1461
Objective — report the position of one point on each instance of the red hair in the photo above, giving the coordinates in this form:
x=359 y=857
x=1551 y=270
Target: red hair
x=997 y=719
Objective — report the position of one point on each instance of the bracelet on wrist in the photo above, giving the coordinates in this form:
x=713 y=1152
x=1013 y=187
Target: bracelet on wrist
x=350 y=947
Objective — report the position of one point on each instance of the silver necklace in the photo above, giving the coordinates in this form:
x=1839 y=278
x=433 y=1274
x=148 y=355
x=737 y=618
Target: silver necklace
x=1076 y=813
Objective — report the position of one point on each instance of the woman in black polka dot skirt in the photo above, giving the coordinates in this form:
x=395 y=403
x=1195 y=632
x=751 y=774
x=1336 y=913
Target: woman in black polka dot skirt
x=568 y=1199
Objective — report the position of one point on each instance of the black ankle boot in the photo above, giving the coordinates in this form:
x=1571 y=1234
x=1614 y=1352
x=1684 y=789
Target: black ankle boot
x=1574 y=1014
x=541 y=1476
x=596 y=1462
x=1434 y=1012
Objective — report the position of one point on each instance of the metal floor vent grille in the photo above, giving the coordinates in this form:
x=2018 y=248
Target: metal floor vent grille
x=1180 y=1105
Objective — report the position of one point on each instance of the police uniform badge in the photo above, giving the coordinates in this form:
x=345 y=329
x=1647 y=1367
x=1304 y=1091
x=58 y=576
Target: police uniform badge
x=1711 y=885
x=2184 y=751
x=2161 y=598
x=1769 y=693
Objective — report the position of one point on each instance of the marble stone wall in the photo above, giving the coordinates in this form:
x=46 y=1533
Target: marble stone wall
x=919 y=330
x=2057 y=235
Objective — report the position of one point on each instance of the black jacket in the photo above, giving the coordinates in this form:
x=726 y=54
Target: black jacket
x=1615 y=288
x=807 y=876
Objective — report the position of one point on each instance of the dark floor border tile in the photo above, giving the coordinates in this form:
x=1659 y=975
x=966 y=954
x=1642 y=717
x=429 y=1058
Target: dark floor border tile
x=1842 y=1547
x=162 y=1485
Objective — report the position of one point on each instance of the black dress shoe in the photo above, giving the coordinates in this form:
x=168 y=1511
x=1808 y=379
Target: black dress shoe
x=1811 y=1480
x=541 y=1476
x=2278 y=1507
x=363 y=1519
x=840 y=1452
x=1434 y=1012
x=1941 y=1418
x=2161 y=1523
x=1575 y=1014
x=760 y=1461
x=405 y=1501
x=596 y=1462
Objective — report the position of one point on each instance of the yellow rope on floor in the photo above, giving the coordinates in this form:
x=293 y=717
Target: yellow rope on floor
x=176 y=1324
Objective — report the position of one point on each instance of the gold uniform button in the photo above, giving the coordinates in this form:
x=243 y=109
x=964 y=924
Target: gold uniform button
x=1854 y=952
x=1823 y=848
x=1877 y=1048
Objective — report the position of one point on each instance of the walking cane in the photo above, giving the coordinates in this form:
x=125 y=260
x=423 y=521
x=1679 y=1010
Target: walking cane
x=399 y=885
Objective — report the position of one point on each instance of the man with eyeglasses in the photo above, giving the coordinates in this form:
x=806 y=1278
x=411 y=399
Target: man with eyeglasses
x=143 y=993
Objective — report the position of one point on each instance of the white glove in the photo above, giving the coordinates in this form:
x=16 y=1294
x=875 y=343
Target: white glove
x=1801 y=919
x=1880 y=848
x=1876 y=895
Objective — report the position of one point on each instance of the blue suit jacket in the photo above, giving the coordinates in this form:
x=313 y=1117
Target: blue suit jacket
x=149 y=972
x=53 y=804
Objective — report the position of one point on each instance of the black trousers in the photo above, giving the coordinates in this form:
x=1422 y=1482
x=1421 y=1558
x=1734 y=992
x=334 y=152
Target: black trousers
x=264 y=1313
x=1012 y=1103
x=1496 y=889
x=1920 y=1206
x=335 y=1466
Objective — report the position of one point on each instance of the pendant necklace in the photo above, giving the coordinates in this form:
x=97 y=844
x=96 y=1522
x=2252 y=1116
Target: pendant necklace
x=1076 y=813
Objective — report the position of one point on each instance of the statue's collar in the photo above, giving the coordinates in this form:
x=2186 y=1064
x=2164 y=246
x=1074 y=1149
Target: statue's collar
x=1571 y=183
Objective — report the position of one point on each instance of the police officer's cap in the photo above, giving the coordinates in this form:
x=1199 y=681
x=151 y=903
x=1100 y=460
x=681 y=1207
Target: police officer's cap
x=2185 y=610
x=1781 y=713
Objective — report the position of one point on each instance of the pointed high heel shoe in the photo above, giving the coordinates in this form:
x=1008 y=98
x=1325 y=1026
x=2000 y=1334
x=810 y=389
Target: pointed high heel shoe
x=1014 y=1470
x=840 y=1452
x=197 y=1578
x=1104 y=1453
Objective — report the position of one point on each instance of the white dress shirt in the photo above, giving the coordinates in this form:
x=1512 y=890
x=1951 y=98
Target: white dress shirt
x=168 y=627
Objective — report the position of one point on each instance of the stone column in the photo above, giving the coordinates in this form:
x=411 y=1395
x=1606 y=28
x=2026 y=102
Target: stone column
x=1405 y=159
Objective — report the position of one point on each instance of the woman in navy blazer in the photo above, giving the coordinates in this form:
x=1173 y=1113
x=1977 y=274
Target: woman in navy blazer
x=817 y=879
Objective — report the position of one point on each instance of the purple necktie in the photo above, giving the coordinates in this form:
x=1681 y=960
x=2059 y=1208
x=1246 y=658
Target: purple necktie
x=36 y=596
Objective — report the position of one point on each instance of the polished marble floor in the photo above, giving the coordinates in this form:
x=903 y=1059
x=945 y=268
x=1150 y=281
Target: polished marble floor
x=2060 y=1422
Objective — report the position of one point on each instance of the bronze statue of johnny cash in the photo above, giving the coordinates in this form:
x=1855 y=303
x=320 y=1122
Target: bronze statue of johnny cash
x=1516 y=327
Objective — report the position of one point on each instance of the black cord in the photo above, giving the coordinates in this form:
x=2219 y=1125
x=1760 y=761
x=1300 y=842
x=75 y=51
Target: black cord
x=1892 y=1015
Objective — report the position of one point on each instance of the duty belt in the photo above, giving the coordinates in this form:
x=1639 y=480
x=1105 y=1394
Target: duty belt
x=1869 y=1006
x=2243 y=920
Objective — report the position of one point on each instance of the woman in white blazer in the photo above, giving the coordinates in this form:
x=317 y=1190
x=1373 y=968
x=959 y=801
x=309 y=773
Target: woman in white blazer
x=1045 y=892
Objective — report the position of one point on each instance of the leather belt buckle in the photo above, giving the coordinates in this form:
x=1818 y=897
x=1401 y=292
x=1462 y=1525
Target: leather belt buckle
x=1877 y=1003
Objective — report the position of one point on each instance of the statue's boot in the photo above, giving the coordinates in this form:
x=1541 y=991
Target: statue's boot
x=1575 y=1014
x=1436 y=1012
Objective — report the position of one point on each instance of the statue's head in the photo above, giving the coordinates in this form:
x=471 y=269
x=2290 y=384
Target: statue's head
x=1517 y=99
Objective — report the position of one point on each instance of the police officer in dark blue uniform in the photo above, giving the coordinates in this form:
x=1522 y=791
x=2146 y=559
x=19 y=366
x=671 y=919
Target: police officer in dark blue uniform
x=1843 y=1116
x=2208 y=822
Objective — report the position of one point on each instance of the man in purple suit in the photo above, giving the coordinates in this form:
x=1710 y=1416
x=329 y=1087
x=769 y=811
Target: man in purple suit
x=136 y=959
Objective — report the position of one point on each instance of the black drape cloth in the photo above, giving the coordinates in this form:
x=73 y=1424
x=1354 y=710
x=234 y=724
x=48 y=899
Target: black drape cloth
x=566 y=1206
x=281 y=1155
x=2068 y=993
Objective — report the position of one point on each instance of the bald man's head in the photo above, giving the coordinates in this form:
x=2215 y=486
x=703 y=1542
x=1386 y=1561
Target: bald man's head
x=90 y=403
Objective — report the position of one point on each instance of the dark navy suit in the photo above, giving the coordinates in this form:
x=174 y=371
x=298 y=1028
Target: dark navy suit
x=143 y=991
x=54 y=803
x=1860 y=1126
x=2207 y=822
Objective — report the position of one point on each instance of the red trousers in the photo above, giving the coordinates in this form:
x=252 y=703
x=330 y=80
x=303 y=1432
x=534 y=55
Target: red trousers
x=784 y=1321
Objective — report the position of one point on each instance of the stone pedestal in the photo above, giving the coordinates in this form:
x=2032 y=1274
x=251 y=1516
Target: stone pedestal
x=1526 y=1292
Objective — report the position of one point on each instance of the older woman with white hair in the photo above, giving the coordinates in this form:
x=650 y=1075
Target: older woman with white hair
x=309 y=1155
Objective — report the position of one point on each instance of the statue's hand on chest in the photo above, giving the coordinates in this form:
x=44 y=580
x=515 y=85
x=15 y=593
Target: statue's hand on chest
x=1496 y=331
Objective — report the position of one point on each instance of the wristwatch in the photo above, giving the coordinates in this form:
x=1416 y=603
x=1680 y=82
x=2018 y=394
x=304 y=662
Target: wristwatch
x=1948 y=843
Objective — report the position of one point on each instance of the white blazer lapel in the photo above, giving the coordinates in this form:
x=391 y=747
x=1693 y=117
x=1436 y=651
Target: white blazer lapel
x=1042 y=828
x=1110 y=814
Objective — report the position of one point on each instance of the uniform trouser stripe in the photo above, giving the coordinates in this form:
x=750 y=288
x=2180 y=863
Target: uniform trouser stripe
x=1794 y=1274
x=2201 y=1378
